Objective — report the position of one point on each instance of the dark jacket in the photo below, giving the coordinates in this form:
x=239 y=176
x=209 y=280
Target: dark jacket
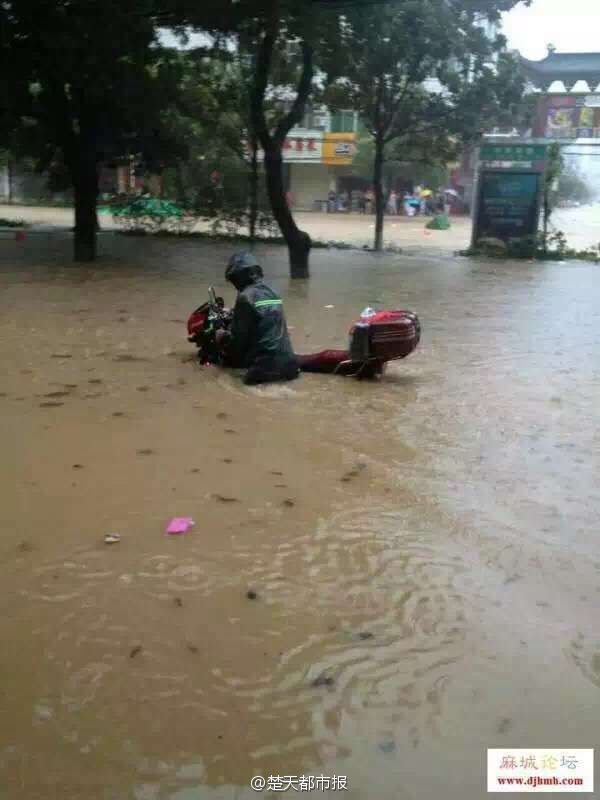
x=259 y=338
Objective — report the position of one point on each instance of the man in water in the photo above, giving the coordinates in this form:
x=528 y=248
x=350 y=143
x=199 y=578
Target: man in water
x=258 y=339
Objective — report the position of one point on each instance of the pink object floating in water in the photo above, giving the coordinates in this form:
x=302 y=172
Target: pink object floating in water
x=180 y=525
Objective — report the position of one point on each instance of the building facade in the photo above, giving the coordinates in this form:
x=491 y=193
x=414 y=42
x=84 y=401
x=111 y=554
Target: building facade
x=317 y=154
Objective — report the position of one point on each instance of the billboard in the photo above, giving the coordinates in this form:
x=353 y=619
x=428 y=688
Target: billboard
x=339 y=149
x=316 y=147
x=305 y=147
x=508 y=204
x=512 y=156
x=573 y=117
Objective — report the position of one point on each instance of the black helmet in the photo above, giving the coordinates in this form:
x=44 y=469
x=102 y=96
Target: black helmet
x=243 y=269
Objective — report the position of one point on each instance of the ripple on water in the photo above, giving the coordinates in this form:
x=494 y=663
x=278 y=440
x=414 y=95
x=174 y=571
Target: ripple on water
x=375 y=602
x=371 y=600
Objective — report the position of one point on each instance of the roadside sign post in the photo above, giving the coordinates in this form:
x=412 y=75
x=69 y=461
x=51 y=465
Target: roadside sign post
x=509 y=188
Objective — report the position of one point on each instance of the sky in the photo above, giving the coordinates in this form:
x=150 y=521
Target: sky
x=572 y=26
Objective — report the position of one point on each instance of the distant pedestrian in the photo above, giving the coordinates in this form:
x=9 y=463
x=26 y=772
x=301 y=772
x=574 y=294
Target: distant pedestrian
x=392 y=203
x=369 y=201
x=362 y=202
x=331 y=201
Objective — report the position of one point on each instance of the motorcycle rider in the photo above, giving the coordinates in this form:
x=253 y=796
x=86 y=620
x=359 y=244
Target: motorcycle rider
x=258 y=339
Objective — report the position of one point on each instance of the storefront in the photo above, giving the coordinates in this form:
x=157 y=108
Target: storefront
x=314 y=161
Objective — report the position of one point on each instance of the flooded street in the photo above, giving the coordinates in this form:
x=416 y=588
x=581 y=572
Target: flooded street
x=384 y=579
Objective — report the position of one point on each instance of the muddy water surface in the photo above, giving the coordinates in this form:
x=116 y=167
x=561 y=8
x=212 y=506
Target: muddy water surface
x=383 y=580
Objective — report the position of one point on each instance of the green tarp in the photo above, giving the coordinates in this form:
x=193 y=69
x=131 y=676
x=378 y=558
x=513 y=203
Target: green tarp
x=439 y=223
x=149 y=207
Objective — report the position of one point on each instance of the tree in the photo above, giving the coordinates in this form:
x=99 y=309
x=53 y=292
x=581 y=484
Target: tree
x=402 y=164
x=424 y=77
x=86 y=83
x=286 y=43
x=554 y=168
x=573 y=187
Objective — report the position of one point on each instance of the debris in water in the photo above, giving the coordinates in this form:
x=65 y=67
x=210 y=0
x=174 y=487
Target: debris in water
x=288 y=503
x=61 y=355
x=227 y=460
x=323 y=680
x=178 y=601
x=223 y=499
x=387 y=746
x=112 y=538
x=354 y=472
x=251 y=594
x=146 y=451
x=135 y=650
x=129 y=357
x=118 y=414
x=24 y=547
x=50 y=404
x=364 y=635
x=330 y=306
x=77 y=466
x=222 y=415
x=57 y=394
x=180 y=525
x=192 y=648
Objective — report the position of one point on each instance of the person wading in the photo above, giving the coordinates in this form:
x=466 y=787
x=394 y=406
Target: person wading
x=258 y=339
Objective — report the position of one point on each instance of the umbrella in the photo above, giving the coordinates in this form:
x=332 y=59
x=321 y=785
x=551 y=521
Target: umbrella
x=426 y=193
x=452 y=192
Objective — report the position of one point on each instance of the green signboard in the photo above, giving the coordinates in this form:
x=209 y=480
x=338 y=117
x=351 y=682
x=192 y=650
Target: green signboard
x=508 y=204
x=512 y=152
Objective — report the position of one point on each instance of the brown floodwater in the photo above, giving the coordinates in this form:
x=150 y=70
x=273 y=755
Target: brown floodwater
x=422 y=554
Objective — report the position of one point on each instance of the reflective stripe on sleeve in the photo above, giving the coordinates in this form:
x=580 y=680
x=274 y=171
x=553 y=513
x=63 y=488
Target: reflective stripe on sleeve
x=263 y=303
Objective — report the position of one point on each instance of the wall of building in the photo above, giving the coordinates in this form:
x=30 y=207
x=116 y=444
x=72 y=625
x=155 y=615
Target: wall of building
x=309 y=183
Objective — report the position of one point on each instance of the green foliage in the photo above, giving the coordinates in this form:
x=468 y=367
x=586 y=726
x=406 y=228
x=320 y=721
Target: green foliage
x=573 y=188
x=425 y=79
x=12 y=223
x=403 y=163
x=81 y=68
x=553 y=247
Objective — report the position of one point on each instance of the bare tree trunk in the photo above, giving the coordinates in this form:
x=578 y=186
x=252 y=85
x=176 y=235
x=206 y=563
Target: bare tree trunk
x=180 y=184
x=253 y=188
x=546 y=218
x=298 y=242
x=379 y=135
x=378 y=187
x=9 y=176
x=86 y=196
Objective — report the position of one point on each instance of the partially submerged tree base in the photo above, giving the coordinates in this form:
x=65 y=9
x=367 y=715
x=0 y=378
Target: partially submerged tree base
x=299 y=251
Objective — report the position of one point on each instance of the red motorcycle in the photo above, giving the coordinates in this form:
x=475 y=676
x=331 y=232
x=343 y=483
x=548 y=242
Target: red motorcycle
x=374 y=340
